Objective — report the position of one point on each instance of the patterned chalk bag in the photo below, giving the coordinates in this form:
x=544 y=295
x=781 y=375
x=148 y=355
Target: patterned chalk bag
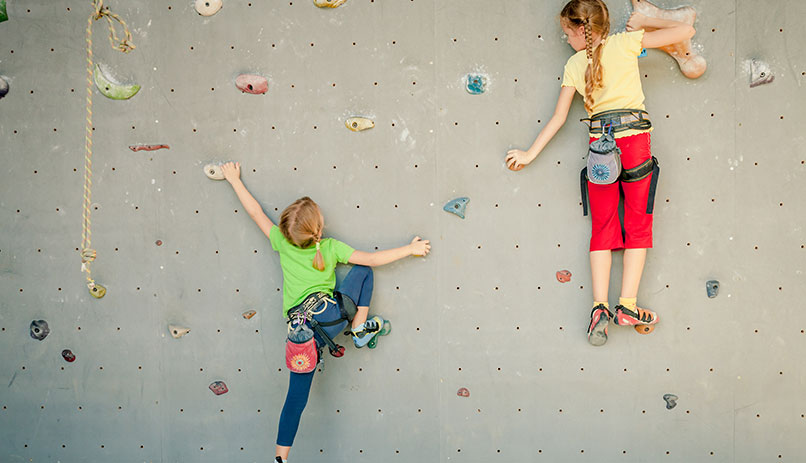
x=301 y=354
x=604 y=160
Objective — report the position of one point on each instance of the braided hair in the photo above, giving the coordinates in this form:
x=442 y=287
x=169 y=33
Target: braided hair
x=301 y=224
x=594 y=17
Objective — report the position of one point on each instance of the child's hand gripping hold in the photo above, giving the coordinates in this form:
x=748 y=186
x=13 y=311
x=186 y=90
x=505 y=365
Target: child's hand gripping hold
x=420 y=247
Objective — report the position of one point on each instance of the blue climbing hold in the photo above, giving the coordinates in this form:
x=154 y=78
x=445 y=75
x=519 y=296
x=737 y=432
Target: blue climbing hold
x=457 y=206
x=475 y=84
x=643 y=53
x=712 y=288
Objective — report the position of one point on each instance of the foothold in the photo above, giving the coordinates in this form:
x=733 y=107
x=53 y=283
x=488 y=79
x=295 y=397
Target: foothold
x=248 y=314
x=3 y=86
x=357 y=124
x=692 y=65
x=3 y=12
x=250 y=83
x=214 y=171
x=712 y=288
x=39 y=329
x=328 y=3
x=68 y=355
x=563 y=276
x=218 y=387
x=97 y=291
x=671 y=401
x=760 y=73
x=208 y=7
x=457 y=206
x=110 y=88
x=178 y=331
x=463 y=392
x=643 y=53
x=158 y=242
x=476 y=84
x=148 y=147
x=644 y=329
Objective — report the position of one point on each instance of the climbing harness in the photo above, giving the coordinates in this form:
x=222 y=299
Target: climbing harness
x=636 y=174
x=305 y=311
x=88 y=254
x=618 y=120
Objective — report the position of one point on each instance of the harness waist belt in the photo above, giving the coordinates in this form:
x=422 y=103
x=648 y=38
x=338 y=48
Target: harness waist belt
x=618 y=120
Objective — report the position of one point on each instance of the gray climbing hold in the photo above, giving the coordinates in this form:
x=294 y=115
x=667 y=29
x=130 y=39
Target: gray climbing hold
x=457 y=206
x=476 y=85
x=39 y=329
x=712 y=288
x=178 y=331
x=760 y=73
x=671 y=401
x=3 y=86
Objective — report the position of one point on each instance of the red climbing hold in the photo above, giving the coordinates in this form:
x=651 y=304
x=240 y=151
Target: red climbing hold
x=218 y=387
x=463 y=392
x=563 y=276
x=250 y=83
x=69 y=355
x=158 y=243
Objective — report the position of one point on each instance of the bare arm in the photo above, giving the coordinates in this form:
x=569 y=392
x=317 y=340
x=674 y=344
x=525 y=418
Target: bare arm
x=516 y=159
x=417 y=247
x=659 y=32
x=232 y=172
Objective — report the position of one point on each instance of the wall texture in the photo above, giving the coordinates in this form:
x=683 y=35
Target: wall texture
x=484 y=311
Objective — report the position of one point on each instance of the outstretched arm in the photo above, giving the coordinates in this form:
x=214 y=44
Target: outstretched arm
x=516 y=159
x=417 y=247
x=659 y=32
x=232 y=172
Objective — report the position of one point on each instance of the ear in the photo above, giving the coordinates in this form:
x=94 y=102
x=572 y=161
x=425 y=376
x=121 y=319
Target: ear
x=581 y=30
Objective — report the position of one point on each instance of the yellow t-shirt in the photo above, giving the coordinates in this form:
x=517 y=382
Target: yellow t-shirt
x=621 y=79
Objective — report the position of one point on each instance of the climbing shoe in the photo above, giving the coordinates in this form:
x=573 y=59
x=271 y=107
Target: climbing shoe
x=363 y=333
x=279 y=460
x=597 y=330
x=637 y=316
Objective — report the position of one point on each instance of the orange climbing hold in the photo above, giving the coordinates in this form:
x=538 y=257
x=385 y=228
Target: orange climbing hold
x=563 y=276
x=248 y=314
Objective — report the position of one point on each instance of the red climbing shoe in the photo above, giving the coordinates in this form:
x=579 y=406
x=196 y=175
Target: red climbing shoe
x=625 y=316
x=597 y=330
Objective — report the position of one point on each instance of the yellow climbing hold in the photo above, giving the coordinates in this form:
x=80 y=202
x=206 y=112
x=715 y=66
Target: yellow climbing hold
x=97 y=291
x=357 y=124
x=328 y=3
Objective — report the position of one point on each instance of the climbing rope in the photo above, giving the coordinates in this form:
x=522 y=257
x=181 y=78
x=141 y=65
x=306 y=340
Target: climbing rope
x=87 y=253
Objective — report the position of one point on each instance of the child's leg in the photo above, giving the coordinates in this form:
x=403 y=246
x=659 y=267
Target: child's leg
x=600 y=274
x=299 y=386
x=633 y=269
x=358 y=285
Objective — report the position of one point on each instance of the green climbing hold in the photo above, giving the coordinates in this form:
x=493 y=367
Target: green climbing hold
x=111 y=89
x=3 y=13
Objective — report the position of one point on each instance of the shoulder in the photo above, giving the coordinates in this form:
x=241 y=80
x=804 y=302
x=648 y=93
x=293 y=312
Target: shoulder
x=576 y=60
x=627 y=40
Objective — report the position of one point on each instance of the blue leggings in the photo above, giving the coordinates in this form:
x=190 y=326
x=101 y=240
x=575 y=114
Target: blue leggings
x=358 y=286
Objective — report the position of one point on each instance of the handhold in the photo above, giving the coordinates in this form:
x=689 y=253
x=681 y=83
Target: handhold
x=671 y=401
x=476 y=84
x=3 y=86
x=357 y=124
x=643 y=53
x=760 y=73
x=97 y=291
x=218 y=387
x=110 y=88
x=516 y=167
x=250 y=83
x=178 y=331
x=214 y=171
x=148 y=147
x=39 y=329
x=208 y=7
x=158 y=242
x=68 y=355
x=463 y=392
x=712 y=288
x=457 y=206
x=3 y=12
x=563 y=276
x=691 y=64
x=328 y=3
x=248 y=314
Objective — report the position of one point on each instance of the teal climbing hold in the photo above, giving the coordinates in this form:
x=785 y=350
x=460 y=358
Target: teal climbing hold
x=643 y=53
x=457 y=206
x=475 y=84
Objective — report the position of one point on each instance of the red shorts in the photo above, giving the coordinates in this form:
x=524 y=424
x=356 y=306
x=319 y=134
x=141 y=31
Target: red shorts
x=608 y=233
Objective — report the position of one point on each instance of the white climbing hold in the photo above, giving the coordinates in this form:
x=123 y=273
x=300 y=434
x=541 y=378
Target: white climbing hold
x=760 y=73
x=178 y=331
x=208 y=7
x=214 y=171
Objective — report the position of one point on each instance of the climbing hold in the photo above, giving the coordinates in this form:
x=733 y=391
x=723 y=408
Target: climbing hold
x=357 y=124
x=328 y=3
x=110 y=88
x=712 y=288
x=158 y=242
x=457 y=206
x=671 y=401
x=563 y=276
x=463 y=392
x=643 y=53
x=516 y=167
x=178 y=331
x=692 y=65
x=148 y=147
x=3 y=12
x=97 y=291
x=475 y=84
x=248 y=314
x=760 y=73
x=208 y=7
x=218 y=387
x=68 y=355
x=3 y=86
x=250 y=83
x=214 y=171
x=39 y=329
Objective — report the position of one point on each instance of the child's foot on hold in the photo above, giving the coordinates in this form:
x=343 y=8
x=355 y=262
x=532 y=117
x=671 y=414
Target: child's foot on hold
x=597 y=330
x=634 y=316
x=364 y=332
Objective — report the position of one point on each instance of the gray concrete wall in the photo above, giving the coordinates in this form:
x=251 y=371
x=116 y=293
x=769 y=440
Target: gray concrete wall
x=484 y=311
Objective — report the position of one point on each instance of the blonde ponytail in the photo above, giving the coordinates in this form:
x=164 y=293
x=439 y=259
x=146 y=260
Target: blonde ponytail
x=593 y=15
x=301 y=224
x=318 y=260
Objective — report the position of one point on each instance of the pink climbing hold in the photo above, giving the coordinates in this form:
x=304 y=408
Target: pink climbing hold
x=69 y=355
x=563 y=276
x=463 y=392
x=250 y=83
x=218 y=387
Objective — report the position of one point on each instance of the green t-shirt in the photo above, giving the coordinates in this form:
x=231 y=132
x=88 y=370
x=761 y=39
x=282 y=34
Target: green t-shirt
x=300 y=278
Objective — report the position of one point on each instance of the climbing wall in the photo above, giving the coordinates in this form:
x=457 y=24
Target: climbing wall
x=488 y=359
